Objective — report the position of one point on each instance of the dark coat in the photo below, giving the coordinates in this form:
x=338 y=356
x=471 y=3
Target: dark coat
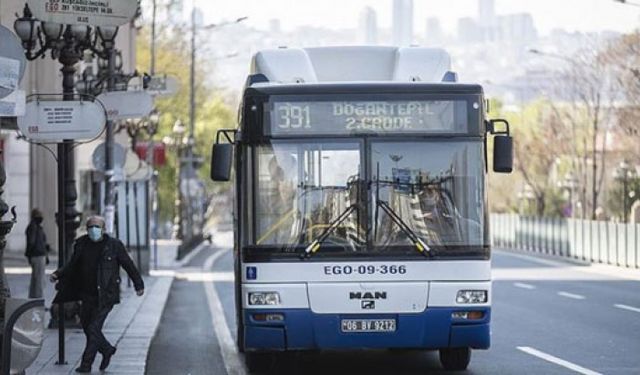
x=36 y=241
x=112 y=258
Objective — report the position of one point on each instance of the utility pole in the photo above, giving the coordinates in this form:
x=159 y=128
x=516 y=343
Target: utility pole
x=188 y=172
x=152 y=69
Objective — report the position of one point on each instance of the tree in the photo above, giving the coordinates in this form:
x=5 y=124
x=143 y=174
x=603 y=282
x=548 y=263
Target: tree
x=172 y=59
x=539 y=140
x=624 y=57
x=587 y=84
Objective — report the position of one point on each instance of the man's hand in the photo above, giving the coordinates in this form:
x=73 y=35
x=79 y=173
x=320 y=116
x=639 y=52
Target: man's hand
x=53 y=277
x=140 y=292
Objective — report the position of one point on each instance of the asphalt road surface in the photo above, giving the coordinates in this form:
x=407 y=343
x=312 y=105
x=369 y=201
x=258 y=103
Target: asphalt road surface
x=548 y=317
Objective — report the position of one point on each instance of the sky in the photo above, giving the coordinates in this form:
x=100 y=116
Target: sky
x=572 y=15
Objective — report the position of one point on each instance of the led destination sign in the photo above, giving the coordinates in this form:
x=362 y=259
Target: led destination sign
x=353 y=117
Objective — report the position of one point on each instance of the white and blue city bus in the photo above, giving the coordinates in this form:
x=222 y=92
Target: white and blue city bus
x=361 y=218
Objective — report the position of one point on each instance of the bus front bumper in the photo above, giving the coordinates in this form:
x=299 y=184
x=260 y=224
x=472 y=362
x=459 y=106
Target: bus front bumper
x=301 y=329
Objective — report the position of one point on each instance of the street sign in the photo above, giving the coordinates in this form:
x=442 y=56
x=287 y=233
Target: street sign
x=13 y=105
x=12 y=62
x=163 y=86
x=159 y=152
x=84 y=12
x=53 y=121
x=119 y=156
x=122 y=105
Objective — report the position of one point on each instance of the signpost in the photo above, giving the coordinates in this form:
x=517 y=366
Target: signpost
x=122 y=105
x=54 y=121
x=84 y=12
x=12 y=62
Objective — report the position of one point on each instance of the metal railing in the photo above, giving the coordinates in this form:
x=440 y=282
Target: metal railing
x=588 y=240
x=23 y=335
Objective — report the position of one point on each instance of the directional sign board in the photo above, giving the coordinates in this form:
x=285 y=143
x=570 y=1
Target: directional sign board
x=12 y=62
x=122 y=105
x=84 y=12
x=163 y=86
x=53 y=121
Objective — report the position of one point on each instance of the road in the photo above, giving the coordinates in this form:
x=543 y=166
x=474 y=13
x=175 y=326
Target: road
x=548 y=317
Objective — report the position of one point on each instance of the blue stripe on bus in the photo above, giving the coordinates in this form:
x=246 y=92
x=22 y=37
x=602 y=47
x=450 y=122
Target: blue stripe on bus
x=305 y=330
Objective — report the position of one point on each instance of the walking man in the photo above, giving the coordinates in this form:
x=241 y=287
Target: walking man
x=36 y=253
x=92 y=276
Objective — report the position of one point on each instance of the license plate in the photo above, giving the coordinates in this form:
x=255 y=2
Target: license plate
x=368 y=325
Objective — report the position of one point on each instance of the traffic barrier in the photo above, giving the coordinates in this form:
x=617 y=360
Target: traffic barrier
x=592 y=241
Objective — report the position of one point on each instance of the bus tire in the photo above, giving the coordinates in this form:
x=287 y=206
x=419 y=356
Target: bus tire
x=455 y=359
x=258 y=362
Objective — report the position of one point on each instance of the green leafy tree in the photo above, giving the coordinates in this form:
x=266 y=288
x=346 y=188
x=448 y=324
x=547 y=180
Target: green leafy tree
x=212 y=110
x=540 y=140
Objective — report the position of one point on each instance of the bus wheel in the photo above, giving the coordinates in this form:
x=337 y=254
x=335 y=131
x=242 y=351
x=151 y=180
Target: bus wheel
x=455 y=359
x=258 y=362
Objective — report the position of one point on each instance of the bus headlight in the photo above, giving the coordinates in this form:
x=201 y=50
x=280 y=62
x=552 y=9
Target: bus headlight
x=264 y=298
x=471 y=296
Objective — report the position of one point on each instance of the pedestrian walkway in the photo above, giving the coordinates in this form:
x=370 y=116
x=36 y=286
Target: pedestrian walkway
x=131 y=325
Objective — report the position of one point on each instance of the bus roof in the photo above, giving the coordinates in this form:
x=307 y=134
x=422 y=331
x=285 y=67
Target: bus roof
x=331 y=88
x=352 y=64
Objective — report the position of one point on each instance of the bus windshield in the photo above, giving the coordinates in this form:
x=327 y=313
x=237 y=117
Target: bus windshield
x=432 y=189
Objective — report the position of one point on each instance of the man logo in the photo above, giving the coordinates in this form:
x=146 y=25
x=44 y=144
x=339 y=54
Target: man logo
x=367 y=295
x=368 y=305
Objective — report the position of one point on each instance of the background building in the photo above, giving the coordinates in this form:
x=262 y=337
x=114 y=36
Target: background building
x=434 y=35
x=368 y=27
x=402 y=22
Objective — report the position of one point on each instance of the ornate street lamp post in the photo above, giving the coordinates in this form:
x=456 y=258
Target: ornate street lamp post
x=623 y=173
x=177 y=143
x=67 y=44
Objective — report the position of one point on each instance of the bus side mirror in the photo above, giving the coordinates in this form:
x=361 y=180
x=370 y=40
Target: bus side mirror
x=503 y=154
x=502 y=147
x=221 y=159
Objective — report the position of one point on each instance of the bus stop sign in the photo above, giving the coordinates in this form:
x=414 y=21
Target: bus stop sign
x=84 y=12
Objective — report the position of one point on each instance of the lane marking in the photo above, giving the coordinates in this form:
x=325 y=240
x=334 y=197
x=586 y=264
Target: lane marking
x=524 y=286
x=571 y=295
x=23 y=271
x=626 y=307
x=192 y=254
x=206 y=276
x=228 y=349
x=557 y=361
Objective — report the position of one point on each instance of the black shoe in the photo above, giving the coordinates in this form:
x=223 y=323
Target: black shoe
x=84 y=369
x=106 y=359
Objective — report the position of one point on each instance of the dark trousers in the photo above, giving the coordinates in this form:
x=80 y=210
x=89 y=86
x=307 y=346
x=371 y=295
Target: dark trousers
x=92 y=318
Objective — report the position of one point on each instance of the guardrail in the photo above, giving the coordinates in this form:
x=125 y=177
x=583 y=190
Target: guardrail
x=593 y=241
x=23 y=334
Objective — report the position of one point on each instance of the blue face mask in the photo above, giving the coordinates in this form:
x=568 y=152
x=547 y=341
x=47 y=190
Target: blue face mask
x=95 y=233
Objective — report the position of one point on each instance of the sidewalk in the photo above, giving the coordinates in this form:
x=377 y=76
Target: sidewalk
x=131 y=325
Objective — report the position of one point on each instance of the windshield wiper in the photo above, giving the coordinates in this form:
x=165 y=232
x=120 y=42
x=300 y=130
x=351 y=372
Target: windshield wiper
x=315 y=244
x=420 y=245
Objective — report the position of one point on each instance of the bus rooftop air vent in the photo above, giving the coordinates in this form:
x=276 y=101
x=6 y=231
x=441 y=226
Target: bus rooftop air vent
x=450 y=77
